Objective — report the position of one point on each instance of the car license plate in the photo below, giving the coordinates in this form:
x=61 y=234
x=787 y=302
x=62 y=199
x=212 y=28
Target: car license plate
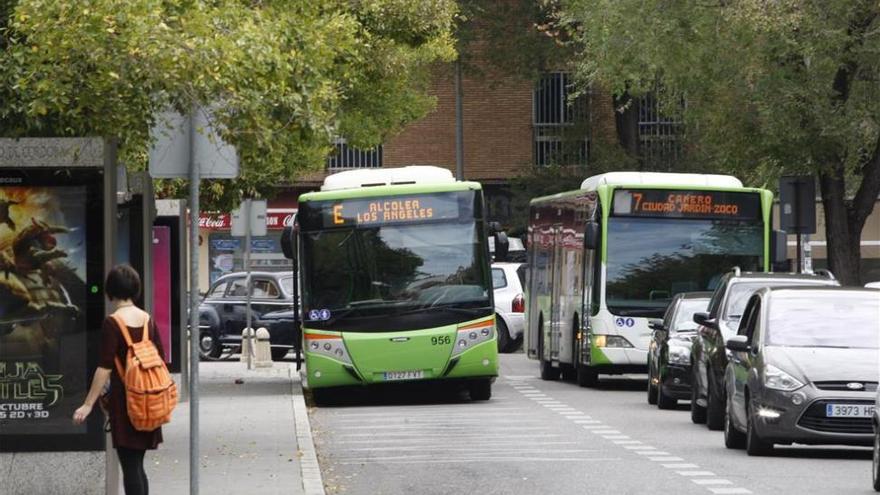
x=849 y=410
x=403 y=375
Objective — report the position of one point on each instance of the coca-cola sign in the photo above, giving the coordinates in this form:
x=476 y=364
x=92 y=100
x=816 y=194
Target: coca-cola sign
x=274 y=221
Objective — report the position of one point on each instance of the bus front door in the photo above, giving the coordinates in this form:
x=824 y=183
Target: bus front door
x=556 y=265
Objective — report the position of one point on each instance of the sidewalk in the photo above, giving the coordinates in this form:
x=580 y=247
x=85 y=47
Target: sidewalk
x=248 y=435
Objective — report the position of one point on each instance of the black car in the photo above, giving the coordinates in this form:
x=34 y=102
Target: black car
x=669 y=354
x=709 y=356
x=222 y=314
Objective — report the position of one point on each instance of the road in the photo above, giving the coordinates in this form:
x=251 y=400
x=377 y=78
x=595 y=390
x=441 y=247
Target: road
x=553 y=437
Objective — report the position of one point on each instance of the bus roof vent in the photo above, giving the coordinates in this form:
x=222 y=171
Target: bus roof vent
x=659 y=179
x=413 y=174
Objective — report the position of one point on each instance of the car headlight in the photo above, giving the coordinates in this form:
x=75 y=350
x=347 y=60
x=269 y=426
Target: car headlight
x=777 y=379
x=679 y=354
x=610 y=341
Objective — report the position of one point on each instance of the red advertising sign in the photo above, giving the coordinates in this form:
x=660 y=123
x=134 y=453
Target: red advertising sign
x=275 y=220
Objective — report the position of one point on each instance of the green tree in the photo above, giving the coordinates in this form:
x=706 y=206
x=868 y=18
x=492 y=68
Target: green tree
x=284 y=75
x=772 y=88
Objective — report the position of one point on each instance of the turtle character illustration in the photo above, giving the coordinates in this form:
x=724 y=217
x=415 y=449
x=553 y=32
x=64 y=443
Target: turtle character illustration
x=29 y=286
x=4 y=213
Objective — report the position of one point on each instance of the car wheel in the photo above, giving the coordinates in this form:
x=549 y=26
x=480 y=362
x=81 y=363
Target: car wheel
x=209 y=346
x=278 y=353
x=698 y=412
x=664 y=401
x=504 y=340
x=875 y=463
x=733 y=438
x=480 y=389
x=755 y=446
x=715 y=411
x=652 y=389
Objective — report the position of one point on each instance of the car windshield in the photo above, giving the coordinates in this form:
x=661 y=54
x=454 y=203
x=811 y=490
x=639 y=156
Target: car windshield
x=684 y=316
x=824 y=319
x=650 y=260
x=740 y=292
x=391 y=269
x=287 y=284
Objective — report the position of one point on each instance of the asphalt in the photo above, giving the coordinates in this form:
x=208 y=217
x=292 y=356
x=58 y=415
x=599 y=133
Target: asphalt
x=535 y=436
x=248 y=435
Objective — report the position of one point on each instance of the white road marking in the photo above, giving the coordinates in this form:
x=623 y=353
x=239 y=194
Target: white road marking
x=707 y=482
x=652 y=452
x=615 y=437
x=627 y=442
x=587 y=422
x=681 y=466
x=593 y=427
x=696 y=473
x=729 y=490
x=665 y=459
x=606 y=432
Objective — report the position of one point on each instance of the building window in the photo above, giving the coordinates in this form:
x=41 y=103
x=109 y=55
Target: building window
x=660 y=132
x=560 y=122
x=346 y=156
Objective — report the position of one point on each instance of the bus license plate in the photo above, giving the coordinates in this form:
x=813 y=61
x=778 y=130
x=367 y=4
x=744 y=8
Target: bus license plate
x=849 y=410
x=403 y=375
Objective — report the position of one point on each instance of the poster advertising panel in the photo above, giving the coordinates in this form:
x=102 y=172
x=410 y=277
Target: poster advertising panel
x=51 y=306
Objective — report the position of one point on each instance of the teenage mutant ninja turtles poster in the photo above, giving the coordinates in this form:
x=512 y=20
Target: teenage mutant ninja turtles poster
x=45 y=355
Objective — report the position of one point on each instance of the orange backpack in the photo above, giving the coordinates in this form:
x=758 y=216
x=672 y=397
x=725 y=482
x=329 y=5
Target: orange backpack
x=150 y=393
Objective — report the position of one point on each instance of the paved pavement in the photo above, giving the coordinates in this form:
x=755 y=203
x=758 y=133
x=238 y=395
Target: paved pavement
x=248 y=435
x=553 y=437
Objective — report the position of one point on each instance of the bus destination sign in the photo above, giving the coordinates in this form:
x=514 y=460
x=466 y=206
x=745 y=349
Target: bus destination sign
x=368 y=212
x=687 y=204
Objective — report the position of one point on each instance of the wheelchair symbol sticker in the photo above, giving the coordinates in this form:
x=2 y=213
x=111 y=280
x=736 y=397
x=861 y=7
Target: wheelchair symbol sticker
x=625 y=322
x=324 y=314
x=314 y=314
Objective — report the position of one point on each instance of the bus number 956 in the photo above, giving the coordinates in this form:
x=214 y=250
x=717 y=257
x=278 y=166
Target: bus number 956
x=441 y=340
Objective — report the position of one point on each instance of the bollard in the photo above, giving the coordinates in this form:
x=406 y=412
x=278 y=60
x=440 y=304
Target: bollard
x=262 y=349
x=247 y=336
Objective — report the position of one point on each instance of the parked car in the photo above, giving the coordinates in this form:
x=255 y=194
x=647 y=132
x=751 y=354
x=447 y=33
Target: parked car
x=803 y=368
x=516 y=251
x=669 y=354
x=222 y=313
x=873 y=285
x=719 y=324
x=508 y=280
x=875 y=458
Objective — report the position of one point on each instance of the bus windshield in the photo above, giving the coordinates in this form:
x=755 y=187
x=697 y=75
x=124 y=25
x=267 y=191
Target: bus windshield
x=354 y=275
x=650 y=260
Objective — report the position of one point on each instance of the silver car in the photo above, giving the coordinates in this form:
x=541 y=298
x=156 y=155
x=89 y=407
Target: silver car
x=508 y=280
x=803 y=368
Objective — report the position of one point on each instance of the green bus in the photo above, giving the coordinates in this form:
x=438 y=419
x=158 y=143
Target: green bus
x=606 y=258
x=395 y=281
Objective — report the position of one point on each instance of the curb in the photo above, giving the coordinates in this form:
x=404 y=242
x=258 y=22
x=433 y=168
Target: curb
x=313 y=484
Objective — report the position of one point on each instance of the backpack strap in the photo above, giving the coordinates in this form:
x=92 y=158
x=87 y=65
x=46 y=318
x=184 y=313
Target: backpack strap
x=123 y=328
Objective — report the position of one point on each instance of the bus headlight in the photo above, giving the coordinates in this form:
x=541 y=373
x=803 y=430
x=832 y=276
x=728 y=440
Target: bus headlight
x=472 y=335
x=327 y=345
x=611 y=341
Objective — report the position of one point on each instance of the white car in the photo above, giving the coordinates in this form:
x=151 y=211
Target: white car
x=508 y=280
x=873 y=285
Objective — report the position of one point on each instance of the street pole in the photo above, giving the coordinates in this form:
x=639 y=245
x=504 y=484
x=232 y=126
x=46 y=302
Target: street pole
x=459 y=123
x=247 y=267
x=193 y=317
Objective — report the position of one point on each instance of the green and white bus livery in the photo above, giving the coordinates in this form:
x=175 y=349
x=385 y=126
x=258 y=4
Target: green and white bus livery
x=606 y=258
x=395 y=280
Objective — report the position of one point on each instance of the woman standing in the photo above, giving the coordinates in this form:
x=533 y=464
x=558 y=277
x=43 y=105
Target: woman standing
x=123 y=285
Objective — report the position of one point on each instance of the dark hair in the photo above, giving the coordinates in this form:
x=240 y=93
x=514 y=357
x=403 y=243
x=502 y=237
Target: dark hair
x=123 y=282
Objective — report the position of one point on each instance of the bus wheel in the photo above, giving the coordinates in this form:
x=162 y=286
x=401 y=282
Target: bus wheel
x=548 y=372
x=480 y=389
x=322 y=396
x=587 y=376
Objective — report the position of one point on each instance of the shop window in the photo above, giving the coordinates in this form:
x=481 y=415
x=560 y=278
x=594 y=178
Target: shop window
x=560 y=122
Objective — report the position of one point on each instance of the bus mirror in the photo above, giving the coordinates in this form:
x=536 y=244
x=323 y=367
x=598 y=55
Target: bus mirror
x=288 y=244
x=779 y=247
x=591 y=235
x=502 y=245
x=495 y=227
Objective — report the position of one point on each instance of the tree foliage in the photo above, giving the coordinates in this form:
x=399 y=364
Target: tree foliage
x=772 y=88
x=285 y=76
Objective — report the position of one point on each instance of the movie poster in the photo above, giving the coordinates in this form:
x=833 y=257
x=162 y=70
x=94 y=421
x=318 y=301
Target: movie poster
x=44 y=354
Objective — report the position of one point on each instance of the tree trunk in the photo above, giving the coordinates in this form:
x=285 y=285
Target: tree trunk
x=843 y=239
